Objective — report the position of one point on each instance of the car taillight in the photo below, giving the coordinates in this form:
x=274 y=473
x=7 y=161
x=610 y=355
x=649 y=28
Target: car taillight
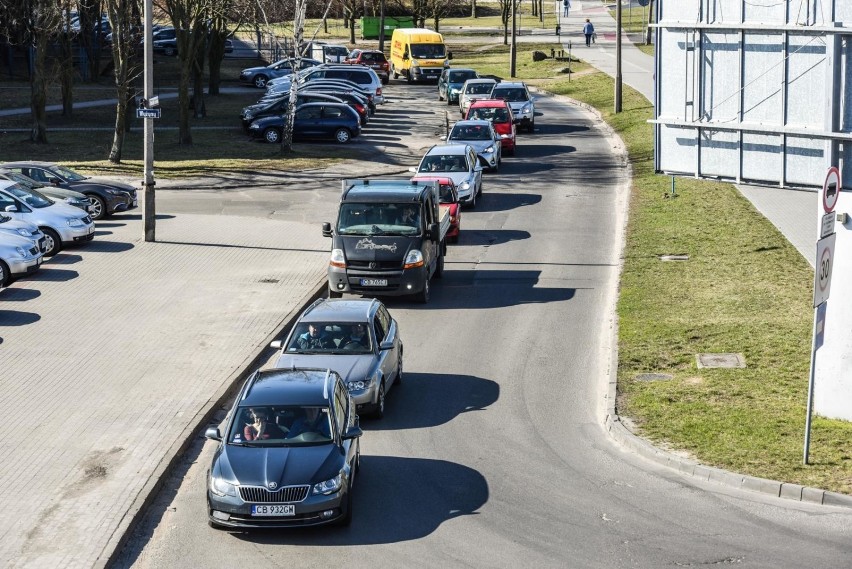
x=378 y=91
x=360 y=108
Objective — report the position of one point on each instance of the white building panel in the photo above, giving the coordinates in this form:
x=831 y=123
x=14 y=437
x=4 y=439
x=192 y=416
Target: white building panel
x=720 y=54
x=679 y=146
x=763 y=79
x=723 y=11
x=719 y=153
x=762 y=158
x=762 y=12
x=681 y=10
x=807 y=81
x=672 y=55
x=806 y=161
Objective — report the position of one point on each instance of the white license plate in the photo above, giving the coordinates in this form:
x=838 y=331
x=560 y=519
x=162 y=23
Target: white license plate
x=273 y=510
x=135 y=202
x=374 y=282
x=92 y=228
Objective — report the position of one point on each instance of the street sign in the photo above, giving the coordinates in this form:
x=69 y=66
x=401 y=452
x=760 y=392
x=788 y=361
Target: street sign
x=824 y=264
x=154 y=102
x=831 y=189
x=147 y=113
x=819 y=329
x=827 y=225
x=643 y=2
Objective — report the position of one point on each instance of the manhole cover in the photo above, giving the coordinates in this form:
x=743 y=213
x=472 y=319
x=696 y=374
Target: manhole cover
x=653 y=377
x=674 y=257
x=720 y=360
x=269 y=281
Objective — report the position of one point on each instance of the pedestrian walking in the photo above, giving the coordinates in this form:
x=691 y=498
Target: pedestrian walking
x=588 y=31
x=566 y=5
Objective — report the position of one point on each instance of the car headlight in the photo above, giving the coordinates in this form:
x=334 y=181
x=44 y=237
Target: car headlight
x=504 y=136
x=337 y=259
x=222 y=487
x=113 y=192
x=465 y=185
x=454 y=90
x=526 y=109
x=254 y=126
x=414 y=63
x=248 y=116
x=414 y=259
x=74 y=222
x=23 y=232
x=21 y=252
x=329 y=486
x=489 y=150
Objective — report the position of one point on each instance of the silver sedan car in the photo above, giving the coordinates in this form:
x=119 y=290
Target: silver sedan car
x=18 y=257
x=357 y=338
x=480 y=135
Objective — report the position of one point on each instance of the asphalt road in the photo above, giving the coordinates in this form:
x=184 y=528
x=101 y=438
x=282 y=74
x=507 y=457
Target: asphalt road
x=491 y=453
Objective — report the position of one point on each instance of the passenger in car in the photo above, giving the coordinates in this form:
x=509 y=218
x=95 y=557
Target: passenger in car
x=315 y=339
x=357 y=339
x=260 y=427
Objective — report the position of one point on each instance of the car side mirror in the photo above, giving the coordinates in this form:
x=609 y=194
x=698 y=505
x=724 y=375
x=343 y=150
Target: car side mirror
x=54 y=181
x=449 y=55
x=434 y=232
x=213 y=434
x=412 y=169
x=11 y=208
x=277 y=344
x=477 y=168
x=326 y=229
x=404 y=56
x=352 y=433
x=387 y=344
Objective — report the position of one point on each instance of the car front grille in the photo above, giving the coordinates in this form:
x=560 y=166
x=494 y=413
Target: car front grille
x=285 y=494
x=87 y=220
x=374 y=265
x=33 y=251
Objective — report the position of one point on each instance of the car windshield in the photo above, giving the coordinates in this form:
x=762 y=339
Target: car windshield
x=280 y=425
x=494 y=114
x=444 y=163
x=373 y=56
x=478 y=88
x=330 y=337
x=427 y=50
x=446 y=194
x=378 y=219
x=68 y=174
x=30 y=197
x=461 y=76
x=333 y=50
x=513 y=95
x=470 y=132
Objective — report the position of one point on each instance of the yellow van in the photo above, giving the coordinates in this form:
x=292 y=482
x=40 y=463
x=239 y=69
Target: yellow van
x=418 y=54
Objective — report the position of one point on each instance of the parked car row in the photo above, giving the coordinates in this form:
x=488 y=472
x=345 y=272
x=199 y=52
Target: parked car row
x=332 y=101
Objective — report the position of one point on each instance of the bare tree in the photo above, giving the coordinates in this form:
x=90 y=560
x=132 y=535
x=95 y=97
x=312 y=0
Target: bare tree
x=439 y=9
x=124 y=18
x=352 y=10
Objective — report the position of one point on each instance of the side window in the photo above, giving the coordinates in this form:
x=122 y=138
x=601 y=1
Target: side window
x=332 y=112
x=309 y=113
x=430 y=218
x=471 y=159
x=35 y=173
x=384 y=317
x=337 y=74
x=380 y=330
x=6 y=202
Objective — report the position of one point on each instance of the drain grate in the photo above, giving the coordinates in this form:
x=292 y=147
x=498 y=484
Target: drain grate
x=269 y=280
x=674 y=257
x=720 y=360
x=653 y=377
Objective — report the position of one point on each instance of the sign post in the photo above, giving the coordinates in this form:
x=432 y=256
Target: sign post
x=822 y=284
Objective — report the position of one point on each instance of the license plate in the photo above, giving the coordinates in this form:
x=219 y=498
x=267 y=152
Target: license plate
x=135 y=202
x=38 y=261
x=273 y=510
x=374 y=282
x=92 y=228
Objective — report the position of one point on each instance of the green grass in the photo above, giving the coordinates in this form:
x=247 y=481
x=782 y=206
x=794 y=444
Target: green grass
x=493 y=59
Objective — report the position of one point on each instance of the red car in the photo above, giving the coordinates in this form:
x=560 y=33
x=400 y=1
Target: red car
x=373 y=59
x=449 y=198
x=499 y=113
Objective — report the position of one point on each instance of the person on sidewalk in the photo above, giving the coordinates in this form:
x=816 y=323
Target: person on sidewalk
x=566 y=5
x=588 y=31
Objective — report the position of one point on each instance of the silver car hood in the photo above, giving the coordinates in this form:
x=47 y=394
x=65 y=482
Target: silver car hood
x=14 y=224
x=478 y=145
x=350 y=367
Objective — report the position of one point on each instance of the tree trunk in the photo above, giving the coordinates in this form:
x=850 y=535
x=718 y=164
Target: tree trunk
x=437 y=22
x=352 y=30
x=184 y=134
x=38 y=89
x=473 y=9
x=650 y=21
x=198 y=105
x=66 y=75
x=120 y=123
x=505 y=17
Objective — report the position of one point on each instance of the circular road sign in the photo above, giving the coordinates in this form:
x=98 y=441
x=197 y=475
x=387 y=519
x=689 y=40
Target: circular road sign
x=831 y=189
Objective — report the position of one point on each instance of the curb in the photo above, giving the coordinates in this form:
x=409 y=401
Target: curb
x=621 y=434
x=135 y=514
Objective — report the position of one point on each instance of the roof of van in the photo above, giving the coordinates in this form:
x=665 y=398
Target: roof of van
x=382 y=190
x=430 y=34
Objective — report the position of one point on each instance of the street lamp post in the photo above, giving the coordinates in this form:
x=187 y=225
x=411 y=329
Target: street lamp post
x=618 y=56
x=513 y=52
x=148 y=181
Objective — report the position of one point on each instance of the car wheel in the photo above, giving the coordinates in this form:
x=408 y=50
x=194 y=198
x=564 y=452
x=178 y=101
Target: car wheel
x=449 y=102
x=169 y=51
x=395 y=74
x=342 y=135
x=380 y=403
x=260 y=81
x=346 y=519
x=423 y=295
x=53 y=244
x=439 y=268
x=441 y=97
x=385 y=80
x=531 y=128
x=99 y=208
x=5 y=274
x=399 y=368
x=334 y=293
x=473 y=201
x=272 y=135
x=512 y=150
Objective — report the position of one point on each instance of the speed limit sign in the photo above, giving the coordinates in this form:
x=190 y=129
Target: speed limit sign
x=824 y=264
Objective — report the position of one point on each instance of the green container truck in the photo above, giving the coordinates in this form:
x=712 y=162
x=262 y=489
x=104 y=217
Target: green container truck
x=370 y=26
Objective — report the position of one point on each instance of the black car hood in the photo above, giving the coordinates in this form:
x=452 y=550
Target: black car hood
x=286 y=466
x=91 y=184
x=112 y=184
x=274 y=120
x=378 y=247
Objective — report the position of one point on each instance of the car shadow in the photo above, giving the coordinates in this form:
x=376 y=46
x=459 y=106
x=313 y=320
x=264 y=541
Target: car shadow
x=108 y=246
x=483 y=289
x=525 y=166
x=139 y=216
x=18 y=294
x=395 y=499
x=100 y=233
x=550 y=128
x=432 y=399
x=50 y=274
x=490 y=236
x=17 y=318
x=499 y=201
x=542 y=150
x=63 y=258
x=109 y=224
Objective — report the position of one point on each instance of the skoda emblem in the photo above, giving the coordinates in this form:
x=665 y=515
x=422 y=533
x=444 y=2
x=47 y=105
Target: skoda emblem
x=373 y=264
x=272 y=485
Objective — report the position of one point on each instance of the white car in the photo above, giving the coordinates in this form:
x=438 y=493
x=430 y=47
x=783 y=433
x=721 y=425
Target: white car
x=457 y=162
x=9 y=226
x=62 y=224
x=18 y=257
x=480 y=134
x=474 y=90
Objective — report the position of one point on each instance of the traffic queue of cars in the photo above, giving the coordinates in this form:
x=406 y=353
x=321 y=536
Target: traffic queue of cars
x=290 y=450
x=45 y=207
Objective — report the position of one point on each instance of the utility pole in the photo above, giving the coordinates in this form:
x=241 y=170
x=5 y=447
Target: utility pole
x=382 y=26
x=513 y=52
x=148 y=181
x=618 y=56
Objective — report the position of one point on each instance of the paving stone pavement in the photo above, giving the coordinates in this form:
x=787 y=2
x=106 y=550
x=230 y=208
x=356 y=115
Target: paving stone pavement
x=108 y=355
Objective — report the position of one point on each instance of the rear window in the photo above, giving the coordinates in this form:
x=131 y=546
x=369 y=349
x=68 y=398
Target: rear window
x=380 y=57
x=479 y=88
x=512 y=94
x=496 y=115
x=332 y=112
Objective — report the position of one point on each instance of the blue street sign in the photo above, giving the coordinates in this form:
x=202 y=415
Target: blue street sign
x=643 y=2
x=148 y=113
